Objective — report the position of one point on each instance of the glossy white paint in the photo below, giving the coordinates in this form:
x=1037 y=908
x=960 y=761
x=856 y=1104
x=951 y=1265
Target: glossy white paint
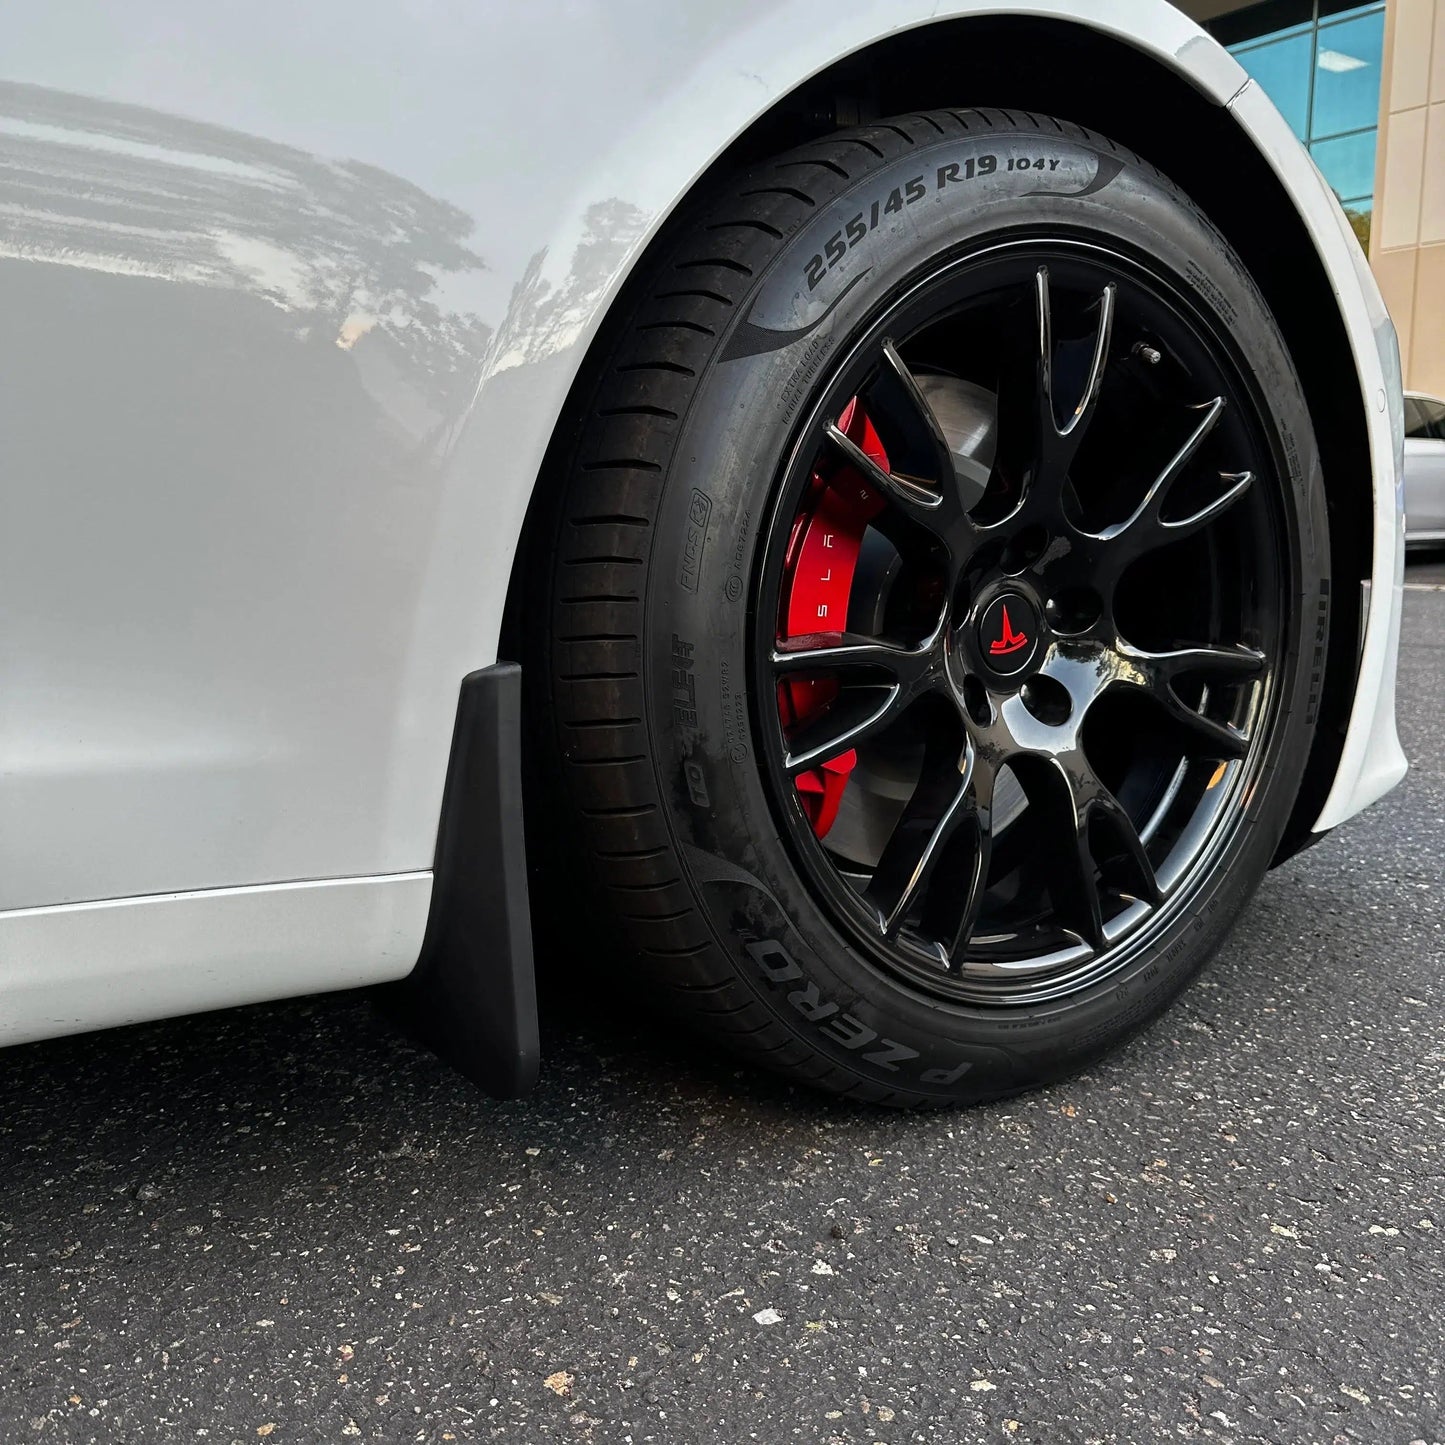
x=272 y=416
x=189 y=951
x=1372 y=761
x=1424 y=475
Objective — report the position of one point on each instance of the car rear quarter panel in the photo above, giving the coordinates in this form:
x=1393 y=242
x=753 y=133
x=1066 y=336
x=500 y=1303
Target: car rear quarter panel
x=293 y=297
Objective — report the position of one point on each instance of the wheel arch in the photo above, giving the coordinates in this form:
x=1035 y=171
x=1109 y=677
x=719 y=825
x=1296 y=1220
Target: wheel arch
x=1051 y=65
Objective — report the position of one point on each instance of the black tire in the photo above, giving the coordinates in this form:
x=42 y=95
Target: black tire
x=642 y=676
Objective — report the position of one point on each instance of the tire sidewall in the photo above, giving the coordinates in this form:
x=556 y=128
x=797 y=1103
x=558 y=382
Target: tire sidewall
x=939 y=201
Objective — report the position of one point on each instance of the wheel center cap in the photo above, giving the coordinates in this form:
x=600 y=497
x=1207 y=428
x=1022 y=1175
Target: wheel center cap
x=1008 y=633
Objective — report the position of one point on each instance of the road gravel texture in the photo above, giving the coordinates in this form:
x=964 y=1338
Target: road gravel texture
x=287 y=1224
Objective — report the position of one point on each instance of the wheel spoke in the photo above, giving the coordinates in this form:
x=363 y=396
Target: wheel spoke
x=1044 y=351
x=1104 y=806
x=1154 y=673
x=1154 y=498
x=851 y=653
x=1072 y=876
x=1059 y=440
x=1222 y=662
x=854 y=716
x=919 y=503
x=919 y=456
x=954 y=475
x=977 y=834
x=1071 y=799
x=1181 y=527
x=1145 y=527
x=1204 y=737
x=941 y=801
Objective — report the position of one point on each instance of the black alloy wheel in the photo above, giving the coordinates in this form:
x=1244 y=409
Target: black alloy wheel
x=1086 y=640
x=927 y=610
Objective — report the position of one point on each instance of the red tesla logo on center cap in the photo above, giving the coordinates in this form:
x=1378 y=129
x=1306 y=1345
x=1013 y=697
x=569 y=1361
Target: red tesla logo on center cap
x=1011 y=641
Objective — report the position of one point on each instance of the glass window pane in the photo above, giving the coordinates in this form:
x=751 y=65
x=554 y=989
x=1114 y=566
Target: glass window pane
x=1416 y=424
x=1347 y=75
x=1327 y=8
x=1348 y=163
x=1282 y=68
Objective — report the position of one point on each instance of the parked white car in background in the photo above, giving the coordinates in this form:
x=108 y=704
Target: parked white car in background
x=1424 y=470
x=915 y=468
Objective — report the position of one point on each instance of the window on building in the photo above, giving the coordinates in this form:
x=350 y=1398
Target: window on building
x=1319 y=61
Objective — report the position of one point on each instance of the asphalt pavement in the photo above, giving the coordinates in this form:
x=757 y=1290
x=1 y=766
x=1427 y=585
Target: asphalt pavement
x=288 y=1224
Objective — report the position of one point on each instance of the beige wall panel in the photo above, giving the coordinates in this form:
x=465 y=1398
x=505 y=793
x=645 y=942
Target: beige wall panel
x=1432 y=178
x=1425 y=370
x=1437 y=54
x=1409 y=69
x=1398 y=190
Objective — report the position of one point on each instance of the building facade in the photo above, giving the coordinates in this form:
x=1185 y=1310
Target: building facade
x=1363 y=85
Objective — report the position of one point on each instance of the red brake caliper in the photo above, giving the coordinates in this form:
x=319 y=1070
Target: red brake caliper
x=817 y=579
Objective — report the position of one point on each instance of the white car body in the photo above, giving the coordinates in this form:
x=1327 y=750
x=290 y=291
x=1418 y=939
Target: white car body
x=272 y=424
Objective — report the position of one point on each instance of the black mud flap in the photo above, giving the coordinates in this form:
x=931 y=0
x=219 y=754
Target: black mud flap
x=473 y=996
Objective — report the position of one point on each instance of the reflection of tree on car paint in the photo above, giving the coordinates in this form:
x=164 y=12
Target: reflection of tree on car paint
x=347 y=248
x=263 y=344
x=350 y=251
